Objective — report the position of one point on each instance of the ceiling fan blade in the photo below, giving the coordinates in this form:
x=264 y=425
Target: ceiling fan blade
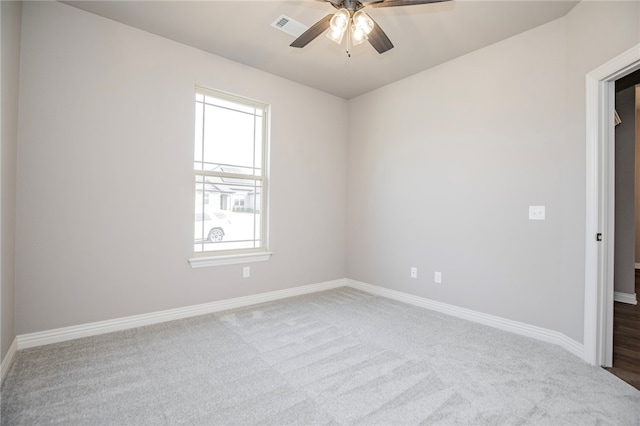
x=379 y=39
x=314 y=31
x=393 y=3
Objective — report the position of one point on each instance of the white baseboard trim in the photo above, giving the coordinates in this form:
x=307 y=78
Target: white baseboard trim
x=516 y=327
x=30 y=340
x=5 y=365
x=46 y=337
x=629 y=298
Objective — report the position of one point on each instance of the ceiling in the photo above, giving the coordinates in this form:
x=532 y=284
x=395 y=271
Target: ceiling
x=424 y=35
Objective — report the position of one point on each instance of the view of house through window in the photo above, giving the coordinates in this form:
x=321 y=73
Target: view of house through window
x=229 y=167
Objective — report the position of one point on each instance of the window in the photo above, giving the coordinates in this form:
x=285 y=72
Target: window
x=230 y=178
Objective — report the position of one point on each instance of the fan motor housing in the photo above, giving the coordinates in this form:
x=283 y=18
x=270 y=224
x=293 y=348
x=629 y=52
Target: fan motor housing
x=352 y=5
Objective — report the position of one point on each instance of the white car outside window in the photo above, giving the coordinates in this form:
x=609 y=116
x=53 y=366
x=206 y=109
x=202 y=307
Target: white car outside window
x=210 y=227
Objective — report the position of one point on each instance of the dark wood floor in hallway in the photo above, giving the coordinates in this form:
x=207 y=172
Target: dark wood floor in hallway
x=626 y=340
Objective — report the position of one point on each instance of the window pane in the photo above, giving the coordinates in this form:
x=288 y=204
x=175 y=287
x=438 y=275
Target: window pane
x=258 y=147
x=228 y=104
x=229 y=143
x=228 y=213
x=197 y=149
x=199 y=209
x=228 y=138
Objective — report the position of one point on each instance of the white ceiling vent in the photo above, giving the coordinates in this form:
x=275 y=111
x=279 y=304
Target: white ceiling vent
x=289 y=26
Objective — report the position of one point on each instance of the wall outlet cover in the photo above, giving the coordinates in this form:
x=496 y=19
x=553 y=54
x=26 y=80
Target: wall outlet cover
x=536 y=212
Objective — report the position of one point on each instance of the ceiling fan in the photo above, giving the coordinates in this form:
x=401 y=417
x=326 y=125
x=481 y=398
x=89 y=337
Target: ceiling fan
x=351 y=20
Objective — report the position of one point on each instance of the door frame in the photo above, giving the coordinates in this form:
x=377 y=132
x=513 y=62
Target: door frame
x=600 y=204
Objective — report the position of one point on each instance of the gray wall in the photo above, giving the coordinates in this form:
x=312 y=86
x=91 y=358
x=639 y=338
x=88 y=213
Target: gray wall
x=105 y=178
x=11 y=17
x=443 y=166
x=625 y=157
x=440 y=170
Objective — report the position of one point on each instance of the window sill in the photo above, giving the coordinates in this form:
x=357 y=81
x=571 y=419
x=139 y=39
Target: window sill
x=231 y=259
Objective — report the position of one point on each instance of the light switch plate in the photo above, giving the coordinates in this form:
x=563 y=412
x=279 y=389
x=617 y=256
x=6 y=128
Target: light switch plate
x=536 y=212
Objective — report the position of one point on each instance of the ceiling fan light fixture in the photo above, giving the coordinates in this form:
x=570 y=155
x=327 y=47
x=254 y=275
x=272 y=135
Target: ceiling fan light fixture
x=340 y=20
x=361 y=27
x=335 y=36
x=362 y=22
x=358 y=26
x=357 y=35
x=338 y=25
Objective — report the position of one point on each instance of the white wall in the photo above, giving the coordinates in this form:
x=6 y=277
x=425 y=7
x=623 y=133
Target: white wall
x=10 y=13
x=105 y=174
x=443 y=166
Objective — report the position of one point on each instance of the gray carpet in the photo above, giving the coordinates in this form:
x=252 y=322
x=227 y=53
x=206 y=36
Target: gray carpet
x=336 y=357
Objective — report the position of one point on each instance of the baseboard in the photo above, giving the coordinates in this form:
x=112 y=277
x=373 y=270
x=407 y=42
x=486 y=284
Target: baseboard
x=637 y=265
x=629 y=298
x=101 y=327
x=5 y=365
x=30 y=340
x=520 y=328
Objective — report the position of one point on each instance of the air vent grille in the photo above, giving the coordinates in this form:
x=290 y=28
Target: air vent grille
x=281 y=22
x=289 y=26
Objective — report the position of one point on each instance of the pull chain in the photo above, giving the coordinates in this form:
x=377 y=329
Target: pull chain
x=348 y=40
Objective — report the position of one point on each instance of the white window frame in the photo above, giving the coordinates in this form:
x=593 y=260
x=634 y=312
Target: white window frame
x=237 y=256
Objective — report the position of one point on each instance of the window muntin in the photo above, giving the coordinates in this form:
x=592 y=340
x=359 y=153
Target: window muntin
x=229 y=169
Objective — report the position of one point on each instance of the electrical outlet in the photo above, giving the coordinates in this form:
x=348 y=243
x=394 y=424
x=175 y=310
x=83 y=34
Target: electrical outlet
x=536 y=212
x=414 y=272
x=437 y=277
x=246 y=272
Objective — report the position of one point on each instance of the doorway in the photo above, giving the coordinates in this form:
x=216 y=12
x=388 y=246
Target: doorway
x=600 y=190
x=626 y=312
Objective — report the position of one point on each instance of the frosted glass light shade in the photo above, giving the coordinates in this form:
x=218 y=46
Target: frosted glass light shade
x=357 y=36
x=340 y=20
x=362 y=22
x=338 y=25
x=335 y=36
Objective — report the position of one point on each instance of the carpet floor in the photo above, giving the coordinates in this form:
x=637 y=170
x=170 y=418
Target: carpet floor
x=336 y=357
